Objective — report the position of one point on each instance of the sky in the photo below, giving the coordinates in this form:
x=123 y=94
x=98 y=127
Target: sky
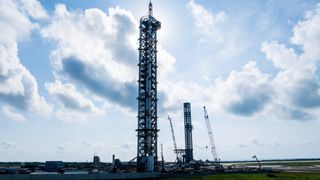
x=68 y=78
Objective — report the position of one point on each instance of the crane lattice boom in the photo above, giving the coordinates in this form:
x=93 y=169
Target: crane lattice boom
x=173 y=137
x=213 y=147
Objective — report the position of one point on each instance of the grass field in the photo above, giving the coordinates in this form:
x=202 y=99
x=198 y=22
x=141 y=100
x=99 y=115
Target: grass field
x=286 y=163
x=263 y=176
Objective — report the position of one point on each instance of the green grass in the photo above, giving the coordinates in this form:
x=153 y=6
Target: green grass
x=264 y=176
x=290 y=164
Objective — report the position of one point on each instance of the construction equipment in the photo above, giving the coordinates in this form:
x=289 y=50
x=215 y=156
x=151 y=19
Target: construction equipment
x=213 y=147
x=174 y=139
x=255 y=157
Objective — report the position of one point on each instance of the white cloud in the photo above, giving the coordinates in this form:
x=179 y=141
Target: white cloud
x=220 y=33
x=166 y=63
x=307 y=34
x=296 y=83
x=182 y=91
x=96 y=51
x=206 y=22
x=18 y=87
x=104 y=43
x=11 y=22
x=12 y=115
x=280 y=56
x=295 y=77
x=243 y=93
x=73 y=105
x=33 y=8
x=293 y=93
x=14 y=19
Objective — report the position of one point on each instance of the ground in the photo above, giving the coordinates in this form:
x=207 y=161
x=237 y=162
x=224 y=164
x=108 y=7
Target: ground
x=262 y=176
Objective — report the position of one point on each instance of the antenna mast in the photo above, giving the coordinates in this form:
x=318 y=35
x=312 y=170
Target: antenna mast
x=150 y=9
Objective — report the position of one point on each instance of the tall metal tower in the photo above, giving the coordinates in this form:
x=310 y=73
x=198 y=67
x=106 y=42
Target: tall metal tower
x=188 y=131
x=147 y=98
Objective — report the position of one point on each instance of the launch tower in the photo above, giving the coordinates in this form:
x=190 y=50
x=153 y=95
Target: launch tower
x=147 y=131
x=188 y=131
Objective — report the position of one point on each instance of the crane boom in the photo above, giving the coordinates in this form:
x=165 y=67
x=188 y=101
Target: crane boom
x=173 y=137
x=213 y=147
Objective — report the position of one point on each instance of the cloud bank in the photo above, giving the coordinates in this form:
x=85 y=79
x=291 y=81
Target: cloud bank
x=97 y=52
x=18 y=87
x=292 y=93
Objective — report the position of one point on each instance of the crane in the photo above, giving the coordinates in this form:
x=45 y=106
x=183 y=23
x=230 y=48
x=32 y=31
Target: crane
x=256 y=158
x=174 y=138
x=213 y=147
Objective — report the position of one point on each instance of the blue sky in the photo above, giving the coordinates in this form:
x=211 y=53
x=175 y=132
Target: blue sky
x=68 y=77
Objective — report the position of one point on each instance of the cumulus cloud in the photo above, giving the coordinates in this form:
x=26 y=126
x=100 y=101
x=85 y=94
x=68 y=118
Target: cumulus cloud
x=11 y=21
x=245 y=92
x=18 y=87
x=73 y=105
x=307 y=34
x=207 y=22
x=292 y=93
x=213 y=29
x=280 y=56
x=288 y=112
x=182 y=91
x=11 y=115
x=111 y=74
x=166 y=64
x=296 y=84
x=33 y=8
x=98 y=52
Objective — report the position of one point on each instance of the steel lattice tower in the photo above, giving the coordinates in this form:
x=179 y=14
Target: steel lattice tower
x=188 y=131
x=147 y=99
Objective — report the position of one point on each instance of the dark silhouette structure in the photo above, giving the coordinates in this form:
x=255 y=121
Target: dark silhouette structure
x=147 y=131
x=188 y=132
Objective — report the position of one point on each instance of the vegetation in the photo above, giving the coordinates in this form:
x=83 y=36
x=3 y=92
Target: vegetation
x=264 y=176
x=291 y=163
